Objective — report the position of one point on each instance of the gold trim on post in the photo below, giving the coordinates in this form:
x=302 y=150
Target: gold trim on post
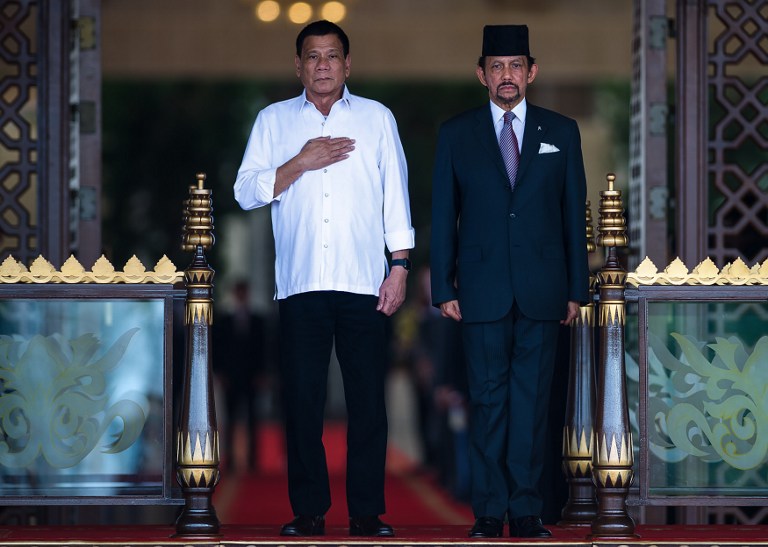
x=617 y=459
x=198 y=459
x=612 y=457
x=198 y=437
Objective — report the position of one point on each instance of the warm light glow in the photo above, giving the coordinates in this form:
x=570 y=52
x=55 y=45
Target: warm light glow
x=300 y=12
x=267 y=11
x=334 y=11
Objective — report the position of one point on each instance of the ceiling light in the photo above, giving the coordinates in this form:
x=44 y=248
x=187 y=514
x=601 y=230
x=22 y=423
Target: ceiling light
x=267 y=11
x=300 y=12
x=334 y=11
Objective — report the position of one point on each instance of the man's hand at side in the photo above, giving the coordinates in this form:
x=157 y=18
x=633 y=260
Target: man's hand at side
x=392 y=291
x=573 y=313
x=451 y=310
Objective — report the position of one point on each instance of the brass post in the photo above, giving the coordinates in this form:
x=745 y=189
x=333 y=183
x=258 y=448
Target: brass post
x=612 y=456
x=581 y=507
x=197 y=443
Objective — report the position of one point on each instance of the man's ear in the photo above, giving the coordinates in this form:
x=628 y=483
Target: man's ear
x=534 y=70
x=480 y=71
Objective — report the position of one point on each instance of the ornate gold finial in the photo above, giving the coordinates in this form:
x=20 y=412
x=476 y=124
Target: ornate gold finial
x=611 y=225
x=197 y=218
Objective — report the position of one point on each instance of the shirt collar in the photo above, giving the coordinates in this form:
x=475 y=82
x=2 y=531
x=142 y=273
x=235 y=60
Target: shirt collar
x=345 y=99
x=520 y=110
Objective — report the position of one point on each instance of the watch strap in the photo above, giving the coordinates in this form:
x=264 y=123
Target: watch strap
x=404 y=262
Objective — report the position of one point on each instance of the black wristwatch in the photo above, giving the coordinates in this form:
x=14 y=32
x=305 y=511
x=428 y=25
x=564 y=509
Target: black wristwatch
x=404 y=262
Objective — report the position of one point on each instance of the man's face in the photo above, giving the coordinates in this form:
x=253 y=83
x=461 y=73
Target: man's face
x=507 y=78
x=322 y=67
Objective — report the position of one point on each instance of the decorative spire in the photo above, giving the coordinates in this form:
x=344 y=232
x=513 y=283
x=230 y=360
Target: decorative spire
x=612 y=226
x=198 y=221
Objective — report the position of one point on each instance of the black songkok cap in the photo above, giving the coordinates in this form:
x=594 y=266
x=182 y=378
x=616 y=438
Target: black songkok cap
x=505 y=40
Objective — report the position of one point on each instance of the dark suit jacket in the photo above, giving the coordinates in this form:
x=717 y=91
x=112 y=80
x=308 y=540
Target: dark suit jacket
x=491 y=246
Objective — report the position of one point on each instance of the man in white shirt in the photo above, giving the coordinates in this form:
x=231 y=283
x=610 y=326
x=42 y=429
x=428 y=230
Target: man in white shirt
x=332 y=167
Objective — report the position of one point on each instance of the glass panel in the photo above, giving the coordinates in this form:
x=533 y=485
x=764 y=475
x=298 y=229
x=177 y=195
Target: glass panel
x=81 y=397
x=707 y=415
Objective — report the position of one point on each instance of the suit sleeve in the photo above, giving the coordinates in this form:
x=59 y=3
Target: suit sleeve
x=574 y=221
x=446 y=208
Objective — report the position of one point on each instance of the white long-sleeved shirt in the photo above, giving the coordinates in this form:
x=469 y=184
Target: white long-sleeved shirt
x=332 y=224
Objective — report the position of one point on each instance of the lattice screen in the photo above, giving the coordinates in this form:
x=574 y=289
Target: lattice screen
x=738 y=140
x=19 y=168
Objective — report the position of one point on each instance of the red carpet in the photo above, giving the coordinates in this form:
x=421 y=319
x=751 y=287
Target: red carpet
x=261 y=497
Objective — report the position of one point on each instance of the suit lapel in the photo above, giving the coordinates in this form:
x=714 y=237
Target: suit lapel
x=486 y=136
x=533 y=136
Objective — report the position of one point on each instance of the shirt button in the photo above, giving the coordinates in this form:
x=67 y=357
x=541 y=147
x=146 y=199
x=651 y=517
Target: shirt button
x=327 y=194
x=326 y=221
x=511 y=215
x=325 y=245
x=325 y=170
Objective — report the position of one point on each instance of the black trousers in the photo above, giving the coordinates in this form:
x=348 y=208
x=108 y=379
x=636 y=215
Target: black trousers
x=310 y=323
x=510 y=364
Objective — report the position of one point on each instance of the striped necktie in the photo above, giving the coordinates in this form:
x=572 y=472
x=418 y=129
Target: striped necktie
x=509 y=149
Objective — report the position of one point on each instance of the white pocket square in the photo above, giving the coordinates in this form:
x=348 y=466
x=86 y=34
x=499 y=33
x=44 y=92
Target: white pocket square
x=548 y=148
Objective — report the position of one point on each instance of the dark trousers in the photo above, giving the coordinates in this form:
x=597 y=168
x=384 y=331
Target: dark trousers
x=510 y=364
x=309 y=325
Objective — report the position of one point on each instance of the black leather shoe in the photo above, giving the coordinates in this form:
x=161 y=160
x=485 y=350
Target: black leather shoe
x=369 y=526
x=528 y=527
x=304 y=525
x=487 y=527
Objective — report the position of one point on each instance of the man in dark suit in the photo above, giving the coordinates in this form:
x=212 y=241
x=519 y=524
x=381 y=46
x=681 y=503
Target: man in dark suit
x=509 y=261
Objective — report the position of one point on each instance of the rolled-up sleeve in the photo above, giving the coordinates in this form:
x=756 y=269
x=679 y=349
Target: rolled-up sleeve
x=398 y=231
x=255 y=183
